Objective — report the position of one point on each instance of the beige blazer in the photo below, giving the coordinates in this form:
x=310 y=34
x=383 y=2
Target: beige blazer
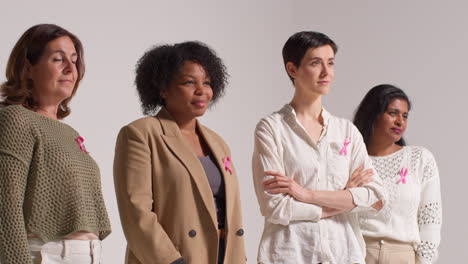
x=165 y=202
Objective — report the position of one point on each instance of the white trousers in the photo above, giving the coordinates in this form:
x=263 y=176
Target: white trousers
x=65 y=251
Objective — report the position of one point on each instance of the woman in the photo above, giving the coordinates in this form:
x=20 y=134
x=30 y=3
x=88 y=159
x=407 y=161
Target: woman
x=410 y=223
x=176 y=185
x=51 y=205
x=302 y=161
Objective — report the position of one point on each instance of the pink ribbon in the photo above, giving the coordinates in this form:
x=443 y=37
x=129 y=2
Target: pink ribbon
x=227 y=164
x=403 y=173
x=80 y=141
x=344 y=150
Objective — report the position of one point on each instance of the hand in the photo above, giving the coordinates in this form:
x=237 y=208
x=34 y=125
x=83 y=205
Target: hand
x=359 y=177
x=284 y=184
x=378 y=205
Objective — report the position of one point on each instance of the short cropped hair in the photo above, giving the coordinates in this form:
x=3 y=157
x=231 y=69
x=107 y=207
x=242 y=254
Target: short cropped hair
x=297 y=45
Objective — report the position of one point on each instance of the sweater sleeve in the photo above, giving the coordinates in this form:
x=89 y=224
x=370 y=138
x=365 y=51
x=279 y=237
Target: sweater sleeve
x=16 y=148
x=430 y=211
x=277 y=208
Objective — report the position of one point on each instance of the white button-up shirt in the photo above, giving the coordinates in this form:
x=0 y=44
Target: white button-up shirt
x=293 y=231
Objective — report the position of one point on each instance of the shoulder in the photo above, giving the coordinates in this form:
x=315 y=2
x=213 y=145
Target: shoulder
x=144 y=125
x=271 y=122
x=421 y=155
x=14 y=118
x=14 y=113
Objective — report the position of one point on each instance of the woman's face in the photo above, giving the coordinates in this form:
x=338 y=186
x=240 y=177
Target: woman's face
x=189 y=93
x=315 y=73
x=391 y=124
x=54 y=75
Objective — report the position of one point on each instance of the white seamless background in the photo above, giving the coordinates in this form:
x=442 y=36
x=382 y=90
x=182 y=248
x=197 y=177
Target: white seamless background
x=420 y=46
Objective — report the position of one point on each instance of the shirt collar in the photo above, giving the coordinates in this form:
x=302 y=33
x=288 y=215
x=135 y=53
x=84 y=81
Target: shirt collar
x=289 y=112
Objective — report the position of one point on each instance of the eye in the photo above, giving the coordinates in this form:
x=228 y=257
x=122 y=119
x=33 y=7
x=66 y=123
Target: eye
x=189 y=82
x=405 y=116
x=331 y=63
x=315 y=63
x=392 y=113
x=57 y=59
x=208 y=83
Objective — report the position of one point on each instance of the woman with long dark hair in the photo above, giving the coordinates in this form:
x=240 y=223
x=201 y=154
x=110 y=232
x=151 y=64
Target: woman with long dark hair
x=407 y=230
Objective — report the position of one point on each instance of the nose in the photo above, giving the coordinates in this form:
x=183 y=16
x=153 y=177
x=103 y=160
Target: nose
x=325 y=70
x=69 y=66
x=399 y=120
x=201 y=88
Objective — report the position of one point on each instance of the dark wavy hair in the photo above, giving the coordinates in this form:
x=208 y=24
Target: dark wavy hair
x=18 y=89
x=373 y=105
x=160 y=65
x=297 y=45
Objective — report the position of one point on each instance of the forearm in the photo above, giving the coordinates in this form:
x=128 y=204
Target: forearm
x=329 y=212
x=341 y=200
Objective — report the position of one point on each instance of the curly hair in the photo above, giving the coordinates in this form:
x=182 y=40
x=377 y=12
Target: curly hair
x=18 y=89
x=159 y=66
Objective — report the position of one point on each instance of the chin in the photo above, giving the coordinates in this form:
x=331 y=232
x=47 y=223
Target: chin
x=199 y=112
x=395 y=139
x=322 y=90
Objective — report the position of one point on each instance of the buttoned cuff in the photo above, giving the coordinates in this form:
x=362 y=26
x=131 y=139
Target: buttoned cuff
x=362 y=199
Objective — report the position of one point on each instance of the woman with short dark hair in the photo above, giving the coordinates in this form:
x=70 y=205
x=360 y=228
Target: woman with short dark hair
x=302 y=161
x=407 y=230
x=175 y=182
x=51 y=204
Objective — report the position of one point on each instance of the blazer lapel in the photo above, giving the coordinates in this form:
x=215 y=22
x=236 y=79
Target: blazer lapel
x=229 y=177
x=178 y=146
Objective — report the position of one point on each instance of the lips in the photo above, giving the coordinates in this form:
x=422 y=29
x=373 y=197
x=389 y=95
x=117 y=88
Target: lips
x=323 y=82
x=396 y=130
x=200 y=103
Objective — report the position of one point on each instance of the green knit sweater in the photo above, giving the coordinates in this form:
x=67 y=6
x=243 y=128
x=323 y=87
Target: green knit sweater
x=49 y=185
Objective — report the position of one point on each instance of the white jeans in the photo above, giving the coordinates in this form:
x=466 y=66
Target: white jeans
x=65 y=251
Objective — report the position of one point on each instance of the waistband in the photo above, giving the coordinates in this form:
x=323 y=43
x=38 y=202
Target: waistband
x=65 y=247
x=379 y=242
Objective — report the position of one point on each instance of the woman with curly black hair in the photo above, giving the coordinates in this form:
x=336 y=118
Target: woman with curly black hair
x=175 y=182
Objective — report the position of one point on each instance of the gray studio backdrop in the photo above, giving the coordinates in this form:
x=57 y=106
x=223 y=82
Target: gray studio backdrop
x=417 y=45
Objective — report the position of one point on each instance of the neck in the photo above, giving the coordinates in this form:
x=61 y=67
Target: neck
x=187 y=125
x=48 y=110
x=307 y=106
x=382 y=147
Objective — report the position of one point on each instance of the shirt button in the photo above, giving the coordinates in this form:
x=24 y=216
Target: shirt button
x=192 y=233
x=240 y=232
x=382 y=242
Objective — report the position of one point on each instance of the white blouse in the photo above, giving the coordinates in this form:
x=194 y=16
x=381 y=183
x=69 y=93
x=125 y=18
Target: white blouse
x=413 y=212
x=293 y=231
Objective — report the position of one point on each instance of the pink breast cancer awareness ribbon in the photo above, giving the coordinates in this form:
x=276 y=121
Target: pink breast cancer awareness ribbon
x=344 y=150
x=403 y=173
x=227 y=164
x=80 y=141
